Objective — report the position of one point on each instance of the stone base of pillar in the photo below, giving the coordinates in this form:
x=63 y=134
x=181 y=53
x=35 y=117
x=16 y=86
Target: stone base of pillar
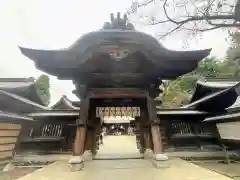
x=142 y=155
x=8 y=167
x=141 y=150
x=76 y=163
x=160 y=161
x=148 y=154
x=160 y=157
x=88 y=156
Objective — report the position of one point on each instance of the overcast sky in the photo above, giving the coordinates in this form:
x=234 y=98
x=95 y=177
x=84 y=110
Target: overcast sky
x=53 y=24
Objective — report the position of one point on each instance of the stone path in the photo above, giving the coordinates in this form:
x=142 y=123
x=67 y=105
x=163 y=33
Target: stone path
x=231 y=170
x=16 y=173
x=116 y=147
x=116 y=169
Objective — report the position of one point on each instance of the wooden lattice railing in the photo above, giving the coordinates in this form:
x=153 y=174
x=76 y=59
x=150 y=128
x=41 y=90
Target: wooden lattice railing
x=47 y=136
x=183 y=133
x=54 y=130
x=8 y=139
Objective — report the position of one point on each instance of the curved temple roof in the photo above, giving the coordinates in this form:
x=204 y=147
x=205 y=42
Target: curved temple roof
x=23 y=87
x=204 y=88
x=13 y=103
x=64 y=104
x=13 y=118
x=117 y=49
x=211 y=95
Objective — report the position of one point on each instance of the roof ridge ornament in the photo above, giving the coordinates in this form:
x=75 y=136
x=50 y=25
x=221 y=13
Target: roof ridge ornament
x=118 y=23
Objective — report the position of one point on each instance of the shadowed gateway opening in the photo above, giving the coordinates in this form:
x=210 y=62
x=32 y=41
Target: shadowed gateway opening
x=118 y=117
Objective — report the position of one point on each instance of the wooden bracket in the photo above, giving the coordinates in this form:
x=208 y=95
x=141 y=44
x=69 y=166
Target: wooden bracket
x=81 y=122
x=155 y=121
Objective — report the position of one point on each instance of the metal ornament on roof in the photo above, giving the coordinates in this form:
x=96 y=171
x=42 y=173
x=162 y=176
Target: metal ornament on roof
x=118 y=23
x=117 y=111
x=115 y=51
x=118 y=53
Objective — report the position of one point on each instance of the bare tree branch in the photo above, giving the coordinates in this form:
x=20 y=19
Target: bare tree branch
x=205 y=17
x=171 y=31
x=158 y=22
x=198 y=16
x=203 y=30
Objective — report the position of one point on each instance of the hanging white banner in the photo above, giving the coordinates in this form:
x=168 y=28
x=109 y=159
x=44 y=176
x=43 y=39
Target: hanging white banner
x=118 y=111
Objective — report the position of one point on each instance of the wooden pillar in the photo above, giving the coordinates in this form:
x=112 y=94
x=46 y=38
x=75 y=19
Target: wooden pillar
x=147 y=138
x=76 y=161
x=142 y=143
x=159 y=156
x=96 y=132
x=155 y=127
x=80 y=137
x=88 y=142
x=146 y=128
x=150 y=138
x=78 y=148
x=94 y=143
x=156 y=138
x=140 y=134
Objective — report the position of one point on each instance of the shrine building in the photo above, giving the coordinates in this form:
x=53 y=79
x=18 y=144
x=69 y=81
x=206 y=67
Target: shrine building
x=120 y=68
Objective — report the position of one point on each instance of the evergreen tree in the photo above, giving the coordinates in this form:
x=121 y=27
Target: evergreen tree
x=42 y=86
x=179 y=91
x=233 y=54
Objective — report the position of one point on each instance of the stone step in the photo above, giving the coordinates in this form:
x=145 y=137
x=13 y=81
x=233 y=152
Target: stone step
x=119 y=164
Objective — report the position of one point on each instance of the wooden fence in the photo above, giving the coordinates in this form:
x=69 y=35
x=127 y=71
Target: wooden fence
x=47 y=136
x=8 y=139
x=10 y=130
x=181 y=133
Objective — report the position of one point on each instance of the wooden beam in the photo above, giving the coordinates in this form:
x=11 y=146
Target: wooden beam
x=116 y=92
x=155 y=129
x=80 y=137
x=157 y=139
x=78 y=149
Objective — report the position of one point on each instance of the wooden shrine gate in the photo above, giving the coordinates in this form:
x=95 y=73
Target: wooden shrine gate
x=141 y=107
x=116 y=56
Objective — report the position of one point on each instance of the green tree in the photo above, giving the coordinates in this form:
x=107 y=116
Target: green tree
x=233 y=51
x=187 y=82
x=209 y=67
x=42 y=86
x=174 y=96
x=178 y=92
x=233 y=54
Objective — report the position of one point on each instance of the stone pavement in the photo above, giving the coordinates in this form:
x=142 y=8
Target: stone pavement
x=129 y=169
x=115 y=147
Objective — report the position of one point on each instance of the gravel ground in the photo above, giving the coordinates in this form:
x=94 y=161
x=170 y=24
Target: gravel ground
x=20 y=170
x=231 y=170
x=16 y=173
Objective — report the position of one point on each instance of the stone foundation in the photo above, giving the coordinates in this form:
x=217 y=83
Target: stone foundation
x=8 y=167
x=88 y=156
x=76 y=163
x=160 y=161
x=148 y=154
x=160 y=157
